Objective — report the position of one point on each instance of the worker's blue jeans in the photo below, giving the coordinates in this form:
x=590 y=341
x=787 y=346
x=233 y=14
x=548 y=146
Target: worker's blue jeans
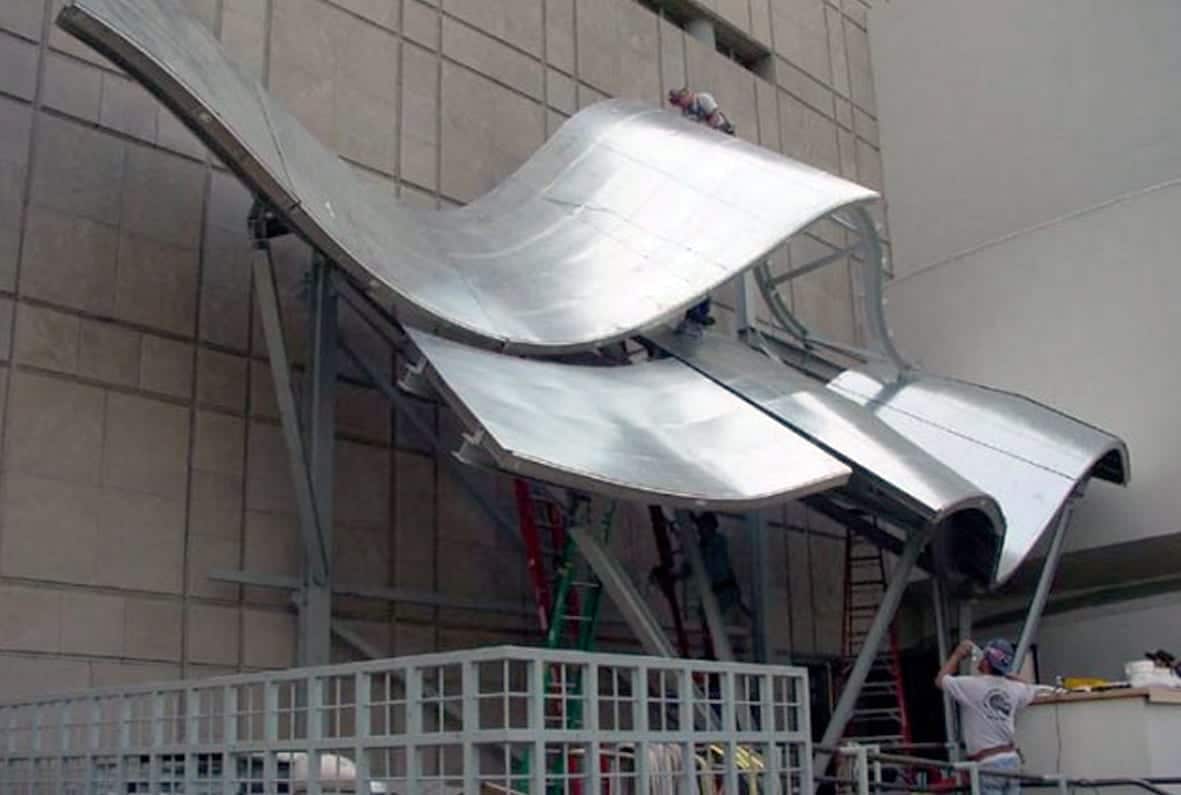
x=700 y=312
x=996 y=785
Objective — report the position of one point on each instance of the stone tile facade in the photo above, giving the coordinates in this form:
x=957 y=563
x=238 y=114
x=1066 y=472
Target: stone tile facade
x=140 y=446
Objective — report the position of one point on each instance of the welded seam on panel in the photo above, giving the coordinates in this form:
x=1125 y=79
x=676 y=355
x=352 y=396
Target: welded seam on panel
x=574 y=477
x=556 y=471
x=1114 y=443
x=873 y=404
x=258 y=90
x=930 y=514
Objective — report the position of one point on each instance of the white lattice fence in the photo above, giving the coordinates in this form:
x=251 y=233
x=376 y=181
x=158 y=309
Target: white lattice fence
x=462 y=722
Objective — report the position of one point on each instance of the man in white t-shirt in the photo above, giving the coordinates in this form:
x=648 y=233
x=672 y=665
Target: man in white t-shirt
x=989 y=701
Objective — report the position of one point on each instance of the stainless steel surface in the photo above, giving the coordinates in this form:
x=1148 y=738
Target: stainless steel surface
x=1027 y=456
x=625 y=217
x=887 y=465
x=656 y=432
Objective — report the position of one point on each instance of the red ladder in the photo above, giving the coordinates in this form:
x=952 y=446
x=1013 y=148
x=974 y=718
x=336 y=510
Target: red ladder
x=879 y=716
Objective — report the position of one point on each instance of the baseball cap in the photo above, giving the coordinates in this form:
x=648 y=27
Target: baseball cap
x=999 y=653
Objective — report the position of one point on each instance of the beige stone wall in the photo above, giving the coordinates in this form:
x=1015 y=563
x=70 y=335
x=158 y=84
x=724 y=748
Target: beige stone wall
x=140 y=446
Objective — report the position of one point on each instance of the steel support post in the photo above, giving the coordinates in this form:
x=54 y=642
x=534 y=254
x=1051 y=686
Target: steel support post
x=1044 y=584
x=621 y=590
x=760 y=585
x=873 y=641
x=746 y=302
x=950 y=730
x=965 y=620
x=714 y=621
x=315 y=624
x=316 y=557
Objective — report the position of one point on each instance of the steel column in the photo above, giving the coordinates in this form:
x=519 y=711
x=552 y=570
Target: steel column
x=760 y=585
x=965 y=620
x=745 y=309
x=714 y=620
x=873 y=641
x=1044 y=584
x=950 y=730
x=315 y=616
x=317 y=560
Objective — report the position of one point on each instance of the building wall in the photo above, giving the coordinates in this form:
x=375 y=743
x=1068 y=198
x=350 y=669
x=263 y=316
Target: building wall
x=1032 y=168
x=1099 y=640
x=1032 y=253
x=140 y=444
x=1003 y=115
x=1077 y=314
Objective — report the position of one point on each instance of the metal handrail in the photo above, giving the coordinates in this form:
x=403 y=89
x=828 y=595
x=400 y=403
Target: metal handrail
x=864 y=755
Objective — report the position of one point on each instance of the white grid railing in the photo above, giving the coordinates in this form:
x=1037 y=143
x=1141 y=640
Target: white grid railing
x=462 y=722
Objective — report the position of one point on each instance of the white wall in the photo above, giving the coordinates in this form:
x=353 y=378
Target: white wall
x=1080 y=315
x=999 y=115
x=1097 y=641
x=1002 y=116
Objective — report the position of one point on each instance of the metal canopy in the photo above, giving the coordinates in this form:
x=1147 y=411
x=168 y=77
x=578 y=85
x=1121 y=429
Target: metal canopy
x=1029 y=457
x=601 y=233
x=889 y=470
x=652 y=432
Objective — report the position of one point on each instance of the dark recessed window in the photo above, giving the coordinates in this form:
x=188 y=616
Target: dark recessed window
x=730 y=41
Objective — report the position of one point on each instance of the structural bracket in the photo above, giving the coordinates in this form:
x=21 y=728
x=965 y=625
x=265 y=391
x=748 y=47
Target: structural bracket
x=502 y=523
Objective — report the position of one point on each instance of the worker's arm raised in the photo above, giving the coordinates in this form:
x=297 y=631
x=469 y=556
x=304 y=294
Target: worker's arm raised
x=953 y=662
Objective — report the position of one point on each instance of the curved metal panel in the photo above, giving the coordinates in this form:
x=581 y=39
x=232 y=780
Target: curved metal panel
x=655 y=432
x=1026 y=455
x=885 y=463
x=626 y=216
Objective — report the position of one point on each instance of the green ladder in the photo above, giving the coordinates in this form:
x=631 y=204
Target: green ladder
x=573 y=620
